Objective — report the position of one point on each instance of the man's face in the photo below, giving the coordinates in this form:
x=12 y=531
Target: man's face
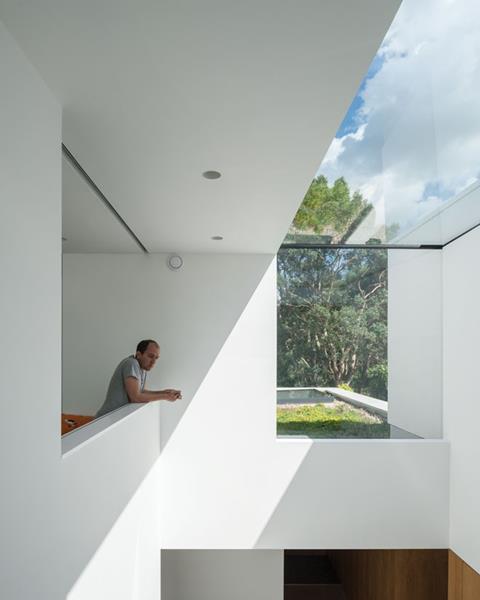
x=148 y=358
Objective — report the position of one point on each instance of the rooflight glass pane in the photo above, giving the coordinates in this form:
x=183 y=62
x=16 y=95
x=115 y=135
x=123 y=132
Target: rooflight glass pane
x=403 y=167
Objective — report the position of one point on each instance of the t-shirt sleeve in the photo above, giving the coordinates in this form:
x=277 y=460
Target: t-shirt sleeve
x=131 y=368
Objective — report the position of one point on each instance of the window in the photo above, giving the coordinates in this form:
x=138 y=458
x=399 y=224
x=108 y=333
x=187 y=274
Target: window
x=332 y=366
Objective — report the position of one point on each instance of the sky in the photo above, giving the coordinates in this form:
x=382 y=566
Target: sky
x=411 y=138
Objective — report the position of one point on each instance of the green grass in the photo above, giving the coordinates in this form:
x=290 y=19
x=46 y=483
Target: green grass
x=340 y=420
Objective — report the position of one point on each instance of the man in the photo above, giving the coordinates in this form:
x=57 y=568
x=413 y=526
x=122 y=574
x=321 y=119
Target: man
x=128 y=380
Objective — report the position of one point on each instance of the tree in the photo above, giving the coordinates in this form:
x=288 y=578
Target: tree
x=330 y=211
x=332 y=318
x=332 y=303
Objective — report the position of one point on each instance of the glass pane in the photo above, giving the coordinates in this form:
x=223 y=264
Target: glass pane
x=332 y=342
x=403 y=167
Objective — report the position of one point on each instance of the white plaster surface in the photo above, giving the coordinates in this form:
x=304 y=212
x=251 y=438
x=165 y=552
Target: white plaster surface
x=97 y=482
x=155 y=93
x=112 y=301
x=54 y=512
x=461 y=288
x=415 y=341
x=75 y=439
x=228 y=483
x=126 y=565
x=30 y=232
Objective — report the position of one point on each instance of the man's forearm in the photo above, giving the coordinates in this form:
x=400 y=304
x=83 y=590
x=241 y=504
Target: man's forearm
x=166 y=393
x=150 y=395
x=136 y=394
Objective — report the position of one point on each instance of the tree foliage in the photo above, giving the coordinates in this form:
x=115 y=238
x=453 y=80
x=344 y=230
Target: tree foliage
x=332 y=303
x=331 y=211
x=332 y=319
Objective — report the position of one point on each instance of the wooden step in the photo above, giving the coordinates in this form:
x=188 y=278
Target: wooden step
x=313 y=591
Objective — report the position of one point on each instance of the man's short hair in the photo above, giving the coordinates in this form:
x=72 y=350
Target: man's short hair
x=143 y=345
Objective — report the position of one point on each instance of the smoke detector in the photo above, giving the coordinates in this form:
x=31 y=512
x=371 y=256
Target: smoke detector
x=174 y=262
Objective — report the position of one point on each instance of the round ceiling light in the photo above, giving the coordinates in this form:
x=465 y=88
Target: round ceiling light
x=211 y=174
x=217 y=238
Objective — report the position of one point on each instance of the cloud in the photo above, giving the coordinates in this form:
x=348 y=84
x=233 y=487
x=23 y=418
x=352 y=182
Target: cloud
x=418 y=113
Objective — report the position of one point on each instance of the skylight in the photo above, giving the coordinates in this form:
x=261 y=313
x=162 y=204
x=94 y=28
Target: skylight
x=403 y=168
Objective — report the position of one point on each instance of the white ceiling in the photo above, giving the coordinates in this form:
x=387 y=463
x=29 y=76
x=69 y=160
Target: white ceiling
x=156 y=92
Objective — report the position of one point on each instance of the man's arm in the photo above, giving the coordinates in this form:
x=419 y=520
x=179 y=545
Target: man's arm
x=132 y=387
x=177 y=393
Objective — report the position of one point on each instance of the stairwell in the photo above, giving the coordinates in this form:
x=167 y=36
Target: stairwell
x=309 y=575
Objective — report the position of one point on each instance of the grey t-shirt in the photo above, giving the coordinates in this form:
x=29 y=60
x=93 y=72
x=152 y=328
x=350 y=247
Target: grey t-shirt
x=117 y=394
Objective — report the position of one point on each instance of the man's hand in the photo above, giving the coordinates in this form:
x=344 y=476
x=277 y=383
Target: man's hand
x=134 y=393
x=173 y=395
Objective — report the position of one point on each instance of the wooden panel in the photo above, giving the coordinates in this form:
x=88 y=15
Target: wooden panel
x=471 y=583
x=455 y=577
x=463 y=581
x=421 y=574
x=393 y=574
x=70 y=422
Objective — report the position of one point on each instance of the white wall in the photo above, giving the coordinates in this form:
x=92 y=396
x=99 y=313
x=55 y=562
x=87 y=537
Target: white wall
x=461 y=288
x=415 y=341
x=126 y=566
x=55 y=511
x=30 y=235
x=221 y=574
x=228 y=483
x=110 y=302
x=97 y=481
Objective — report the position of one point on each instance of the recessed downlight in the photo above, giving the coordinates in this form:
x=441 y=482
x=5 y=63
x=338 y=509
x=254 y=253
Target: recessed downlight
x=211 y=174
x=217 y=238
